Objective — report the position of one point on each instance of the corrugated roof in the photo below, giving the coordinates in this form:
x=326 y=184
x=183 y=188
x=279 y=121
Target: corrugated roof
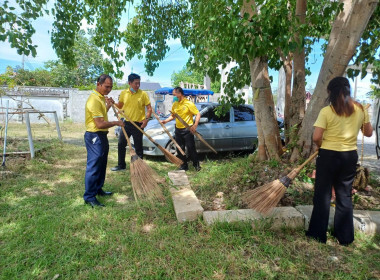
x=150 y=86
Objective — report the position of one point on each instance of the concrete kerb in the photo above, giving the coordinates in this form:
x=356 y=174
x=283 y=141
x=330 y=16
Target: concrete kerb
x=188 y=208
x=186 y=204
x=365 y=221
x=280 y=217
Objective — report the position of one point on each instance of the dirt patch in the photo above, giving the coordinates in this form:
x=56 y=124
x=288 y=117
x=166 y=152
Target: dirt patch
x=38 y=192
x=122 y=199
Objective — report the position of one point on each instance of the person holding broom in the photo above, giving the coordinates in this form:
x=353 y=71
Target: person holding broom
x=184 y=137
x=96 y=140
x=133 y=102
x=335 y=133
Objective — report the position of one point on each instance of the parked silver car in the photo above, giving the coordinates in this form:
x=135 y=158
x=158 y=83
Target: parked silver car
x=233 y=132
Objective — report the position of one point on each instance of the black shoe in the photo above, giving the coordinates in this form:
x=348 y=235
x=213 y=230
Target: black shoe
x=94 y=203
x=117 y=168
x=183 y=167
x=104 y=193
x=197 y=166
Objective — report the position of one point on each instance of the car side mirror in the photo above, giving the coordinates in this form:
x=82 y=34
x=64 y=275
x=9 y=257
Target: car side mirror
x=203 y=120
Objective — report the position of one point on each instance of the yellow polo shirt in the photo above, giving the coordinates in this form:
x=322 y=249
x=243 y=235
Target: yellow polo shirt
x=95 y=108
x=134 y=104
x=186 y=110
x=340 y=132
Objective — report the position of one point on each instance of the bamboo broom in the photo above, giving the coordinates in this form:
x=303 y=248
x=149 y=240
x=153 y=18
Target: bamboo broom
x=362 y=173
x=263 y=199
x=141 y=174
x=168 y=133
x=196 y=133
x=172 y=158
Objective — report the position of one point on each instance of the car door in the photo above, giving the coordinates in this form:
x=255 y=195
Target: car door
x=244 y=127
x=217 y=131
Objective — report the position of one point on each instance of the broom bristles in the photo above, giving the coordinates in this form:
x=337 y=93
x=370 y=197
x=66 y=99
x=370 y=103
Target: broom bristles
x=172 y=158
x=144 y=179
x=263 y=199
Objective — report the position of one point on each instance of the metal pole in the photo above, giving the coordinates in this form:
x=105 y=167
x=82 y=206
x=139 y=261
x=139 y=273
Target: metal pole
x=5 y=134
x=30 y=138
x=57 y=125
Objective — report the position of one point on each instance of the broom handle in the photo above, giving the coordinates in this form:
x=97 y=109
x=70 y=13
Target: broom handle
x=139 y=128
x=295 y=172
x=362 y=153
x=195 y=132
x=168 y=133
x=123 y=129
x=130 y=147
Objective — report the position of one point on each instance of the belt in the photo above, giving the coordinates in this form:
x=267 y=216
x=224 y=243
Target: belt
x=98 y=132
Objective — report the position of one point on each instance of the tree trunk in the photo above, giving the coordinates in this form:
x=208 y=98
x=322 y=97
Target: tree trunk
x=346 y=32
x=297 y=108
x=270 y=145
x=288 y=67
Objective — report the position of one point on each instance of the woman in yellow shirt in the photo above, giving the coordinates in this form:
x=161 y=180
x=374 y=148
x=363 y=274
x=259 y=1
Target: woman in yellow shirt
x=335 y=133
x=184 y=137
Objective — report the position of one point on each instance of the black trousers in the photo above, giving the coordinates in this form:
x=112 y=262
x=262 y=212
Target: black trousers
x=333 y=169
x=184 y=139
x=122 y=144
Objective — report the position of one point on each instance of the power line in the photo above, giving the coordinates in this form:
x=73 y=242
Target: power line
x=172 y=53
x=169 y=54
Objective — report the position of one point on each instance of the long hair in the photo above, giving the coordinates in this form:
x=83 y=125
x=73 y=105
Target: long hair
x=340 y=97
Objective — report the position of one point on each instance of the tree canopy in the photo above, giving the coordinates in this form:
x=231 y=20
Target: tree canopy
x=214 y=32
x=88 y=65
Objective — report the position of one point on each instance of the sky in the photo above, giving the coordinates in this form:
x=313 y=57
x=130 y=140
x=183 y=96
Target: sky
x=175 y=59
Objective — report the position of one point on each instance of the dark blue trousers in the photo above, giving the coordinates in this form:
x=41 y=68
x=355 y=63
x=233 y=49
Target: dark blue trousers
x=97 y=153
x=333 y=169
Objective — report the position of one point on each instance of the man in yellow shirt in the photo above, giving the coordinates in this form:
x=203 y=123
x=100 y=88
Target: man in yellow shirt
x=184 y=137
x=96 y=140
x=133 y=102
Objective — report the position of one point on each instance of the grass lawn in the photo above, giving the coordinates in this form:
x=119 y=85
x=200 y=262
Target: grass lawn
x=47 y=232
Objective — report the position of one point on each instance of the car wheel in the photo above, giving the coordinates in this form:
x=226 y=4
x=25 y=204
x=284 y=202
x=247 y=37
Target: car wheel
x=171 y=148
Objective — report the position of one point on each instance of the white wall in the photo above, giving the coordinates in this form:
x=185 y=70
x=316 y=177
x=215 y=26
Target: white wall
x=76 y=105
x=38 y=103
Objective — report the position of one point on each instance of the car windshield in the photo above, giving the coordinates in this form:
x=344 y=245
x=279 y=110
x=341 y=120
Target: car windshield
x=202 y=106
